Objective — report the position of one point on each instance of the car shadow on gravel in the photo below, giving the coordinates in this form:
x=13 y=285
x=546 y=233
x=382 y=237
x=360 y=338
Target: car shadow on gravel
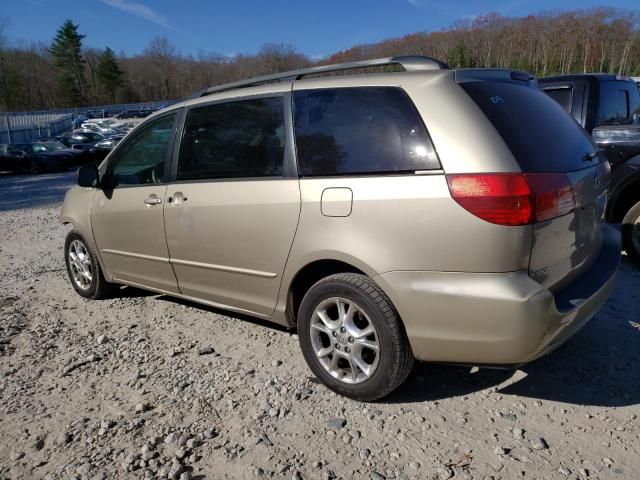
x=122 y=291
x=600 y=366
x=562 y=376
x=226 y=313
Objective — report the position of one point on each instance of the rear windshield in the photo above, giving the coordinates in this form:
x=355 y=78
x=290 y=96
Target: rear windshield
x=539 y=133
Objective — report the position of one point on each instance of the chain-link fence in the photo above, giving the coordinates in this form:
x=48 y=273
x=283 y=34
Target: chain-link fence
x=24 y=127
x=28 y=127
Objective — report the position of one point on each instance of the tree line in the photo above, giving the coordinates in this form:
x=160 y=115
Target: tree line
x=66 y=74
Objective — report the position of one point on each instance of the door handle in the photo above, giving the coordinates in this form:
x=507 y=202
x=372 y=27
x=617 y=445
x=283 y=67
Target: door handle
x=153 y=201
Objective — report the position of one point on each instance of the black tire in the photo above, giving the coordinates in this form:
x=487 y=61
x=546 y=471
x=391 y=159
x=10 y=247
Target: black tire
x=98 y=288
x=631 y=233
x=395 y=359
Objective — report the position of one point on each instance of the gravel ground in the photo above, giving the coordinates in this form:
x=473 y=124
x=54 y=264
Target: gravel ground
x=145 y=386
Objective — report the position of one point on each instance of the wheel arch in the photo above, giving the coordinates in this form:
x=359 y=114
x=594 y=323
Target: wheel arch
x=624 y=198
x=310 y=273
x=76 y=211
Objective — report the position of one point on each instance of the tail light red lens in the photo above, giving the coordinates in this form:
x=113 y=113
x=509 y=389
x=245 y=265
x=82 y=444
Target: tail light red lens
x=513 y=198
x=553 y=195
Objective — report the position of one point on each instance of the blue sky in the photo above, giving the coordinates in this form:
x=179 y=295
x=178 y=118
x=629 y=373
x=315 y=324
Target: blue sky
x=317 y=28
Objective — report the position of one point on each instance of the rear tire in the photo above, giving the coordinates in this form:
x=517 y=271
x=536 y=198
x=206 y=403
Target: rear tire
x=631 y=233
x=352 y=337
x=84 y=269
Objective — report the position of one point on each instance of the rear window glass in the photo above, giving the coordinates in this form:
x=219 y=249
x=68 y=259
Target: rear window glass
x=360 y=130
x=539 y=133
x=562 y=96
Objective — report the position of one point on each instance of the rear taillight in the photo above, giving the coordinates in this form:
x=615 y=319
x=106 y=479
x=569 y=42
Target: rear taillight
x=513 y=198
x=553 y=194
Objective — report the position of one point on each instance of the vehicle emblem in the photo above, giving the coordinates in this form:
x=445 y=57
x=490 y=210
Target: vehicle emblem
x=597 y=181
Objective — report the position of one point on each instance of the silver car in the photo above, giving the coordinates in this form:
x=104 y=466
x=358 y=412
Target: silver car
x=432 y=214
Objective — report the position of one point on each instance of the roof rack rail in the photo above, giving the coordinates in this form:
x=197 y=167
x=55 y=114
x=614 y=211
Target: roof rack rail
x=410 y=63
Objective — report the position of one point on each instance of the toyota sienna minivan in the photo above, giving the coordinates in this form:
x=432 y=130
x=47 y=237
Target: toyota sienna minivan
x=432 y=214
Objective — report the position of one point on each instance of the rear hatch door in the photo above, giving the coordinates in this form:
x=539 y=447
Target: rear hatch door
x=560 y=161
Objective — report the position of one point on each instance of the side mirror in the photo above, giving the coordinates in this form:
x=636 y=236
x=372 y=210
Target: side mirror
x=88 y=176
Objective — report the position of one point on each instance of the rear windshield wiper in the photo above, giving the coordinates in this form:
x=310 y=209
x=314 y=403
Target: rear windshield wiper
x=590 y=156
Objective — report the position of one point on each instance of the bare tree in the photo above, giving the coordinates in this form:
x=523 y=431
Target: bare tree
x=599 y=39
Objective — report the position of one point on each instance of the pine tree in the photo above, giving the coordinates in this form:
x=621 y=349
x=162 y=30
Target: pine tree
x=66 y=50
x=108 y=73
x=458 y=57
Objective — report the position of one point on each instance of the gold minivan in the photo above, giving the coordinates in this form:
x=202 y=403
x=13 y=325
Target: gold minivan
x=429 y=213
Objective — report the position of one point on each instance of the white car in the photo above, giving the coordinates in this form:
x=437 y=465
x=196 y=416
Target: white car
x=105 y=125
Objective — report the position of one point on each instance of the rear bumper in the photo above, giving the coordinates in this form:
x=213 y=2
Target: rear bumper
x=496 y=318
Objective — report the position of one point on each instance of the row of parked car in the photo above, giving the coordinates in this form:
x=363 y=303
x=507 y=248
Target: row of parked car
x=117 y=114
x=93 y=137
x=88 y=144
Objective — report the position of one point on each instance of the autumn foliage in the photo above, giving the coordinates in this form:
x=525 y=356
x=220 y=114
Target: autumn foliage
x=594 y=40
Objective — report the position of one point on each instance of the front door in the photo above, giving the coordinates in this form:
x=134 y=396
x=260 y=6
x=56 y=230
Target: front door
x=127 y=214
x=232 y=213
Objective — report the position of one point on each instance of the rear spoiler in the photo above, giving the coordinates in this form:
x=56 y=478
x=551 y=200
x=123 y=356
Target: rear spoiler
x=492 y=74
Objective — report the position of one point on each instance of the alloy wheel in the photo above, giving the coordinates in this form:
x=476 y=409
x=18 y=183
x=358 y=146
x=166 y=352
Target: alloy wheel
x=80 y=265
x=344 y=340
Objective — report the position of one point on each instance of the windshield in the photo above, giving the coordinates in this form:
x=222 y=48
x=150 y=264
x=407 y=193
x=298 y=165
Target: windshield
x=38 y=147
x=51 y=146
x=87 y=137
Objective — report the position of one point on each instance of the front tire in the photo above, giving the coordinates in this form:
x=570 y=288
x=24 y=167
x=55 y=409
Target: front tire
x=84 y=269
x=631 y=233
x=352 y=337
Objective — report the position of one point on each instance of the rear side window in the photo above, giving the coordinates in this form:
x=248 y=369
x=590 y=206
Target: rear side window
x=233 y=140
x=614 y=104
x=539 y=133
x=619 y=103
x=562 y=96
x=360 y=130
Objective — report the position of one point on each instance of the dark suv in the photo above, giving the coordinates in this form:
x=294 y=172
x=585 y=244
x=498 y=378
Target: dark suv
x=608 y=107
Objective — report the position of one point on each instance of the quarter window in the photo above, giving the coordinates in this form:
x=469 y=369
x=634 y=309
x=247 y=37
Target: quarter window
x=141 y=159
x=562 y=96
x=233 y=140
x=614 y=104
x=360 y=131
